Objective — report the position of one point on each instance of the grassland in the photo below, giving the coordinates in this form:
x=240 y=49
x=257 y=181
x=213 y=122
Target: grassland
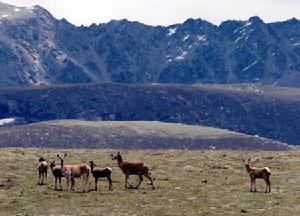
x=187 y=183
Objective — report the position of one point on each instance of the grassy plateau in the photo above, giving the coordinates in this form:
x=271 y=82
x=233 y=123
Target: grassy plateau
x=187 y=183
x=130 y=135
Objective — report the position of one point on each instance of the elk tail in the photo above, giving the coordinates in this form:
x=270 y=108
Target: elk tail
x=268 y=170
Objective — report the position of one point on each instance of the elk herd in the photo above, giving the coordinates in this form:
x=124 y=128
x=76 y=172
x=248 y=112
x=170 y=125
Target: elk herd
x=72 y=171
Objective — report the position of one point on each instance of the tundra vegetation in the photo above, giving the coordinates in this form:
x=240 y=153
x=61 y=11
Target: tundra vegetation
x=187 y=183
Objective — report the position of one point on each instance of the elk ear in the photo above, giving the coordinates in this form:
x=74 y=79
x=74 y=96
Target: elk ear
x=118 y=153
x=58 y=155
x=65 y=154
x=249 y=160
x=111 y=155
x=244 y=161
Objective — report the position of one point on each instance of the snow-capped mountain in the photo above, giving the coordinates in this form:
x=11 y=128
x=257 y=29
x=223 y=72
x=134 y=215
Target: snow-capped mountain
x=37 y=49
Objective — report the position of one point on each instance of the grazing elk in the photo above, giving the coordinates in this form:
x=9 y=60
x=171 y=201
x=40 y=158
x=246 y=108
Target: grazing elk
x=101 y=173
x=57 y=173
x=260 y=173
x=43 y=169
x=129 y=168
x=73 y=171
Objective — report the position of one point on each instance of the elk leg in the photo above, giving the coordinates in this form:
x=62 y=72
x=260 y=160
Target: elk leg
x=109 y=183
x=72 y=183
x=55 y=187
x=151 y=181
x=126 y=181
x=254 y=182
x=42 y=179
x=39 y=179
x=141 y=179
x=251 y=185
x=69 y=183
x=126 y=178
x=85 y=183
x=268 y=186
x=46 y=178
x=60 y=183
x=96 y=182
x=67 y=180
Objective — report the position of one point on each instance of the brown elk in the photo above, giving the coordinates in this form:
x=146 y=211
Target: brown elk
x=129 y=168
x=57 y=173
x=258 y=173
x=70 y=172
x=43 y=169
x=101 y=173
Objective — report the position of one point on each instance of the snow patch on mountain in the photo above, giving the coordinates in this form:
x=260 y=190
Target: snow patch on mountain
x=186 y=37
x=172 y=31
x=243 y=27
x=6 y=121
x=251 y=65
x=182 y=56
x=201 y=37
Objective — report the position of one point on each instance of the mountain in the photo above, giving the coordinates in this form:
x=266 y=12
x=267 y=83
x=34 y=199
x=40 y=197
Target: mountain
x=264 y=111
x=130 y=135
x=37 y=49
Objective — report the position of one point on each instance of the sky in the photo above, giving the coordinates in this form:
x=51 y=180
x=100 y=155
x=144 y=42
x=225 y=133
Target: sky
x=165 y=12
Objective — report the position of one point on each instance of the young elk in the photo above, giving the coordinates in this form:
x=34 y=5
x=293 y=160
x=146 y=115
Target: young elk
x=57 y=173
x=101 y=173
x=130 y=168
x=42 y=168
x=73 y=171
x=260 y=173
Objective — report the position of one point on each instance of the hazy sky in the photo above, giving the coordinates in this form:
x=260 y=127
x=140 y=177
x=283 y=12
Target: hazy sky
x=165 y=12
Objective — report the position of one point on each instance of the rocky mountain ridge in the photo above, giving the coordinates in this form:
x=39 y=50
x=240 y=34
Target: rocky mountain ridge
x=37 y=49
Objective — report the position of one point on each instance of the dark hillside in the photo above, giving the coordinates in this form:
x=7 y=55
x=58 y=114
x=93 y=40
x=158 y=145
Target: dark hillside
x=252 y=109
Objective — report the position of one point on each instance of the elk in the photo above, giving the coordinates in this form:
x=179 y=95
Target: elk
x=101 y=173
x=42 y=168
x=129 y=168
x=57 y=173
x=258 y=173
x=70 y=172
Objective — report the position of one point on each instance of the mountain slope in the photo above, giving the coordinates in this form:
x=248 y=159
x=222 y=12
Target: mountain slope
x=269 y=112
x=37 y=49
x=130 y=135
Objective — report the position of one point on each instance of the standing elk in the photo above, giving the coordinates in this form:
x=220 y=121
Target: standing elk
x=73 y=171
x=258 y=173
x=101 y=173
x=57 y=173
x=43 y=169
x=129 y=168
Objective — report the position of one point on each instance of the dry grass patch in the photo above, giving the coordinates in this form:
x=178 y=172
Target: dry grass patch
x=187 y=183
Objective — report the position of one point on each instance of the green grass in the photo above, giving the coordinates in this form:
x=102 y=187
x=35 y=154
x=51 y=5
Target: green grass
x=187 y=183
